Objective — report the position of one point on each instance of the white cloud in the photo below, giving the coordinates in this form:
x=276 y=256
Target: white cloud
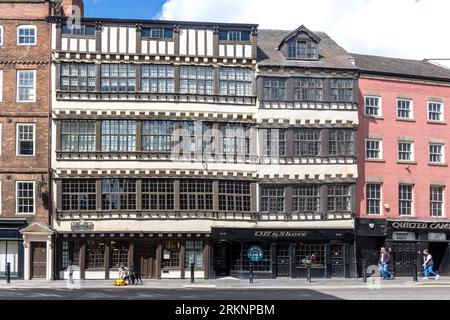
x=398 y=28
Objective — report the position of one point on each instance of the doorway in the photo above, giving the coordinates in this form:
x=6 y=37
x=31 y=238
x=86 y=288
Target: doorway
x=38 y=260
x=404 y=256
x=283 y=260
x=438 y=251
x=222 y=258
x=145 y=260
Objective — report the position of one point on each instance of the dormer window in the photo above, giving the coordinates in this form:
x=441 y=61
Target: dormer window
x=157 y=33
x=234 y=36
x=302 y=50
x=300 y=44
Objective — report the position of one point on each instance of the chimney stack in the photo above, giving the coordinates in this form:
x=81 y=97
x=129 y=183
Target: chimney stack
x=69 y=10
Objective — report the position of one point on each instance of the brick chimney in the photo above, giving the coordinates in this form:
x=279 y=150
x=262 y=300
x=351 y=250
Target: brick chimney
x=69 y=10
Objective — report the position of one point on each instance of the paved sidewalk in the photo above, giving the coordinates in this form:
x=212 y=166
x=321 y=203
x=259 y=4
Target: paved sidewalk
x=229 y=283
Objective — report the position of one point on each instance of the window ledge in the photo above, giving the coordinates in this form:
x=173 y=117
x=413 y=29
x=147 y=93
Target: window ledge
x=374 y=117
x=407 y=162
x=375 y=160
x=432 y=164
x=405 y=120
x=442 y=123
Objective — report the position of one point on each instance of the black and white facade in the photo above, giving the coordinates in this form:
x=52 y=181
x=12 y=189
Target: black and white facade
x=177 y=142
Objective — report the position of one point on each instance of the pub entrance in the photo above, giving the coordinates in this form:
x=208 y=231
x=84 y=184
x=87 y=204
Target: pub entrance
x=439 y=252
x=283 y=259
x=146 y=260
x=404 y=255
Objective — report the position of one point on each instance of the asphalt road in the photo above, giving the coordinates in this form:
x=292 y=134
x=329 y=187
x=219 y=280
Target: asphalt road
x=417 y=293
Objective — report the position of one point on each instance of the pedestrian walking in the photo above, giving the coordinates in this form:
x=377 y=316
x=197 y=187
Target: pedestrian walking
x=428 y=265
x=385 y=259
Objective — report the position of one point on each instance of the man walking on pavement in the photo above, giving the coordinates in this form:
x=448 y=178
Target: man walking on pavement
x=385 y=258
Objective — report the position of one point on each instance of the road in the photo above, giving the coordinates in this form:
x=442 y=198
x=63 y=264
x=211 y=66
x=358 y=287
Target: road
x=417 y=293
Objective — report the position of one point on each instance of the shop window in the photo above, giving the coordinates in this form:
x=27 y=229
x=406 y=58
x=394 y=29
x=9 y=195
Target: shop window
x=194 y=254
x=171 y=254
x=119 y=254
x=264 y=265
x=312 y=252
x=9 y=252
x=95 y=255
x=70 y=254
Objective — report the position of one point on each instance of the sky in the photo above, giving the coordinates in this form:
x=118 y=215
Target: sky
x=414 y=29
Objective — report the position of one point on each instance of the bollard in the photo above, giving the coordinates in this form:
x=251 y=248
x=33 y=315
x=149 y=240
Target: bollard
x=192 y=272
x=251 y=272
x=8 y=272
x=364 y=272
x=308 y=274
x=415 y=272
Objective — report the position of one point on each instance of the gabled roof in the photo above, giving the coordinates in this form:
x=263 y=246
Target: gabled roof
x=37 y=228
x=331 y=55
x=401 y=67
x=302 y=28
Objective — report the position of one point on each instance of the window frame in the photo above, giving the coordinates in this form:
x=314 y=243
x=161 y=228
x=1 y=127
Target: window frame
x=27 y=27
x=32 y=124
x=78 y=194
x=129 y=79
x=380 y=149
x=273 y=195
x=410 y=201
x=442 y=114
x=78 y=77
x=281 y=87
x=300 y=89
x=411 y=109
x=339 y=145
x=186 y=80
x=168 y=78
x=107 y=139
x=18 y=86
x=124 y=191
x=192 y=197
x=412 y=156
x=163 y=139
x=336 y=195
x=238 y=197
x=74 y=137
x=246 y=85
x=164 y=197
x=379 y=107
x=306 y=197
x=369 y=199
x=442 y=154
x=2 y=35
x=339 y=89
x=433 y=201
x=17 y=198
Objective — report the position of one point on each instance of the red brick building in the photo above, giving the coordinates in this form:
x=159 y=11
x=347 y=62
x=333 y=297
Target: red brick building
x=26 y=239
x=403 y=186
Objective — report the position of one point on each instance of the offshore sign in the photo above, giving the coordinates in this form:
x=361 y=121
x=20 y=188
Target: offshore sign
x=280 y=234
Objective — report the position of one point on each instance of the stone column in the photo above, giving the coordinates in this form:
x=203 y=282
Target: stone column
x=27 y=260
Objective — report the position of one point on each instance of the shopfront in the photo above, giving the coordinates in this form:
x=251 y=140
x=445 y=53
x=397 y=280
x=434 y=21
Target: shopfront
x=153 y=255
x=11 y=247
x=407 y=239
x=285 y=253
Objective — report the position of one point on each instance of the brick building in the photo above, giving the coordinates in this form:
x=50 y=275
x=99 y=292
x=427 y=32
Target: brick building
x=26 y=239
x=403 y=187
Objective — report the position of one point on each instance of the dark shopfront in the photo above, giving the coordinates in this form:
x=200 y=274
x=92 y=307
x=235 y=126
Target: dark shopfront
x=154 y=255
x=407 y=239
x=11 y=247
x=331 y=253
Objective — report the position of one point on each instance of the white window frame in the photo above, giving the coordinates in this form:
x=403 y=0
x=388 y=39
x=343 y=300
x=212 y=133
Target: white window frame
x=380 y=150
x=442 y=155
x=442 y=111
x=381 y=199
x=34 y=198
x=1 y=141
x=412 y=200
x=17 y=86
x=411 y=114
x=412 y=151
x=17 y=139
x=2 y=35
x=443 y=201
x=380 y=107
x=27 y=27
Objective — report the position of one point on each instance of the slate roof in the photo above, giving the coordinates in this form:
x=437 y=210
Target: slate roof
x=331 y=54
x=401 y=67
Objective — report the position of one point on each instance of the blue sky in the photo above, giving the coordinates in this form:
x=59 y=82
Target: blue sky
x=380 y=27
x=130 y=9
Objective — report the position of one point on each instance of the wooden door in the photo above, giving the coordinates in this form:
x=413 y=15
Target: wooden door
x=146 y=260
x=38 y=259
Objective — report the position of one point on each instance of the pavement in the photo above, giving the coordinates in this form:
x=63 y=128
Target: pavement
x=233 y=284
